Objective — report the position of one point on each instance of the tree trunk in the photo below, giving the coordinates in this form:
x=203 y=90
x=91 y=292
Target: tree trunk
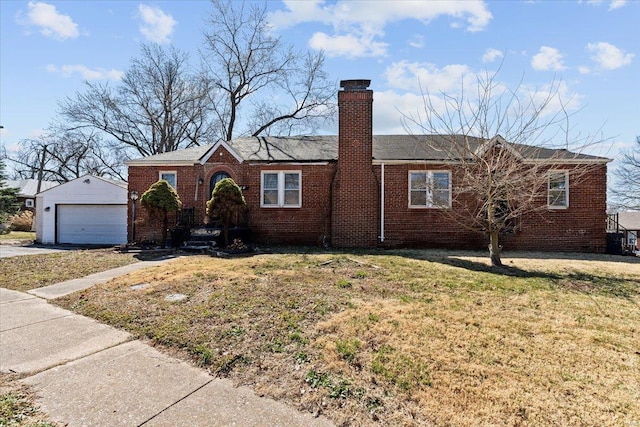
x=165 y=226
x=495 y=249
x=226 y=233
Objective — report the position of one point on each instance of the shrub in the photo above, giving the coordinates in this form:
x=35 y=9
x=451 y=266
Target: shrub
x=225 y=204
x=22 y=221
x=160 y=199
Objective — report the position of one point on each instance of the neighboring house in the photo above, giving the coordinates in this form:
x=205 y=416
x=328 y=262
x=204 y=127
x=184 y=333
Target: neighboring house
x=355 y=189
x=628 y=224
x=27 y=190
x=87 y=210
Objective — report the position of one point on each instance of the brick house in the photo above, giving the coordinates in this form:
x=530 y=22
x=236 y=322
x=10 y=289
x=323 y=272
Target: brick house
x=357 y=189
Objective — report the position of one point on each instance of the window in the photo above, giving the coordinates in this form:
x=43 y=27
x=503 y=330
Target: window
x=216 y=178
x=170 y=177
x=29 y=203
x=558 y=190
x=429 y=189
x=281 y=189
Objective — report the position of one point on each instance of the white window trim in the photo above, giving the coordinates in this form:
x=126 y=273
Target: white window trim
x=428 y=205
x=29 y=203
x=175 y=174
x=566 y=189
x=281 y=188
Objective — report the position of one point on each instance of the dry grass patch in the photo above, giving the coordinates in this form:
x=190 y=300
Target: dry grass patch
x=17 y=405
x=34 y=271
x=400 y=338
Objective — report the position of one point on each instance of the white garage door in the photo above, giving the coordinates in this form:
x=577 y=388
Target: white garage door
x=92 y=224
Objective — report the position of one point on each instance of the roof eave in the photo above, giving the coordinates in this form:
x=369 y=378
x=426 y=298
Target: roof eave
x=414 y=161
x=568 y=161
x=143 y=162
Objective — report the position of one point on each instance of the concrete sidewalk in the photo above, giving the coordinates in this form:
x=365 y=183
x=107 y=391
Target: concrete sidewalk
x=89 y=374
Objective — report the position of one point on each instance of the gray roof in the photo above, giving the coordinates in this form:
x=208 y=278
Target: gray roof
x=29 y=187
x=325 y=148
x=190 y=155
x=629 y=220
x=287 y=149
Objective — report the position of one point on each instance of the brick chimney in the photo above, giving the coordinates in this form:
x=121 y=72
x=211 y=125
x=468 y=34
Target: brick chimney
x=355 y=192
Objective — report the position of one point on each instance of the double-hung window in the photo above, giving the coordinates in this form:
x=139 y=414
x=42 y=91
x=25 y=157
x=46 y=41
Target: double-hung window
x=429 y=189
x=281 y=189
x=170 y=177
x=558 y=191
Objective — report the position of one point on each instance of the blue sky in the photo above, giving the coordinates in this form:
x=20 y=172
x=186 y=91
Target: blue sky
x=590 y=48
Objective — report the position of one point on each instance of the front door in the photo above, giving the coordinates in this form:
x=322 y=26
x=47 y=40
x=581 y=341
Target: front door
x=215 y=178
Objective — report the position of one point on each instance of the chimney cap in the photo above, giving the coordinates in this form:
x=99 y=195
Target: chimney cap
x=355 y=85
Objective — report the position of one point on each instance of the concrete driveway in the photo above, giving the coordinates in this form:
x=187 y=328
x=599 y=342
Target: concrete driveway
x=7 y=251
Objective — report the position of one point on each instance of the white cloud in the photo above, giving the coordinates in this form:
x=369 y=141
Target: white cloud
x=617 y=4
x=350 y=46
x=402 y=108
x=548 y=58
x=85 y=72
x=50 y=22
x=417 y=41
x=156 y=25
x=614 y=4
x=416 y=76
x=366 y=22
x=491 y=55
x=393 y=111
x=583 y=69
x=555 y=97
x=608 y=56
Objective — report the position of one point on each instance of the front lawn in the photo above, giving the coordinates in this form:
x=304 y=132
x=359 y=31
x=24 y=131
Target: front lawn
x=401 y=337
x=18 y=235
x=23 y=273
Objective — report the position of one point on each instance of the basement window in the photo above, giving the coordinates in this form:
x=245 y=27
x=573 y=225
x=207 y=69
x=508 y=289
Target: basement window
x=281 y=189
x=429 y=189
x=558 y=192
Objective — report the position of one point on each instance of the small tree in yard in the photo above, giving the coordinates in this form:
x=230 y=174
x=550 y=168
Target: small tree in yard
x=226 y=203
x=497 y=177
x=160 y=199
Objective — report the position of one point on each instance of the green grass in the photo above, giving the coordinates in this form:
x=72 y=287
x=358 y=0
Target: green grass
x=415 y=338
x=17 y=407
x=18 y=235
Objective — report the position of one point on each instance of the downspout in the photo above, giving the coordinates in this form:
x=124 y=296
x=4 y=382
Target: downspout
x=382 y=203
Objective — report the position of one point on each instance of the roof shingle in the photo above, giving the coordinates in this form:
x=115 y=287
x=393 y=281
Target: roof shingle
x=325 y=148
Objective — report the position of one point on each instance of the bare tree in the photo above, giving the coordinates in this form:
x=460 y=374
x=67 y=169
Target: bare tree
x=626 y=190
x=497 y=177
x=159 y=106
x=64 y=154
x=288 y=91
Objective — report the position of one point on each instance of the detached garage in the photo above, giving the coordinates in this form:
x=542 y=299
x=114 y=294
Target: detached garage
x=86 y=211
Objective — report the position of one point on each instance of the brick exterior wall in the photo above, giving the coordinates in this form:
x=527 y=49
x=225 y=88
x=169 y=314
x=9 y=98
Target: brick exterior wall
x=580 y=228
x=308 y=225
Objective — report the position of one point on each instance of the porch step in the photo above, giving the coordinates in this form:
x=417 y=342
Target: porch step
x=202 y=239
